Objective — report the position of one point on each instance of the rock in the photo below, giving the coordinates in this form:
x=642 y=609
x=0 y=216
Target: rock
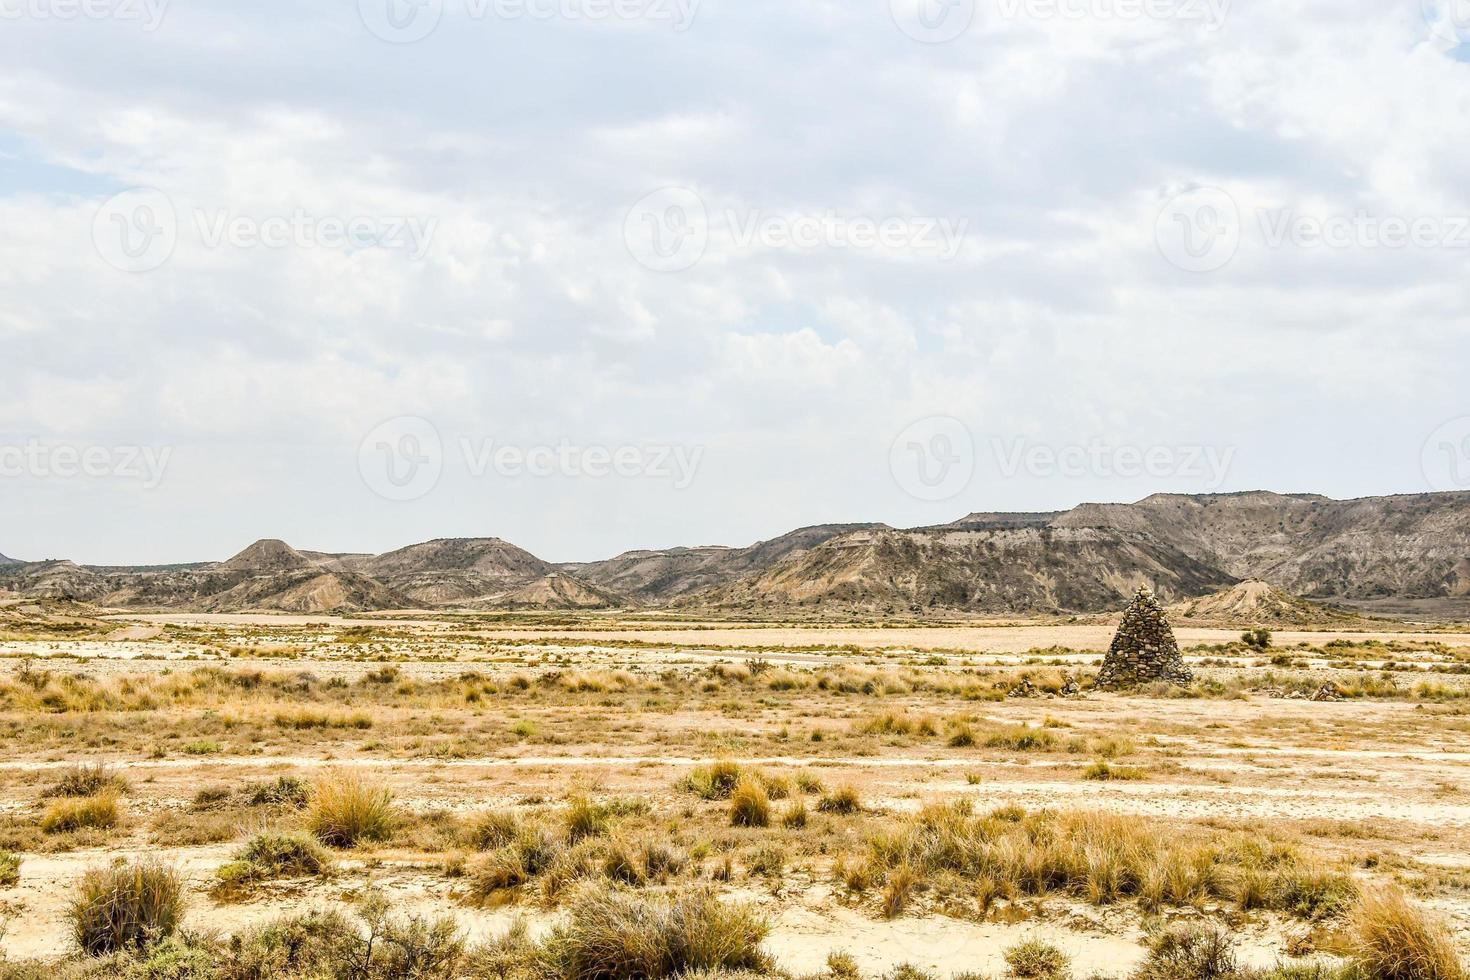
x=1144 y=649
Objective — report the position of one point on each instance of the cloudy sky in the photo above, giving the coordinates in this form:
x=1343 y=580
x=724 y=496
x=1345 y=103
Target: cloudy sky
x=638 y=273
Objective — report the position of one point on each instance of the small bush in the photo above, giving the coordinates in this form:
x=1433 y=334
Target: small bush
x=795 y=816
x=1037 y=960
x=844 y=800
x=345 y=811
x=1188 y=952
x=613 y=936
x=273 y=855
x=714 y=782
x=749 y=805
x=123 y=908
x=1103 y=771
x=493 y=829
x=1021 y=739
x=282 y=791
x=86 y=779
x=9 y=869
x=1392 y=940
x=94 y=812
x=585 y=819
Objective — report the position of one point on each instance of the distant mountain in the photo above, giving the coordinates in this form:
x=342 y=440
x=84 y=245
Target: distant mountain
x=1014 y=568
x=1413 y=550
x=1259 y=604
x=562 y=591
x=266 y=557
x=8 y=561
x=660 y=576
x=456 y=570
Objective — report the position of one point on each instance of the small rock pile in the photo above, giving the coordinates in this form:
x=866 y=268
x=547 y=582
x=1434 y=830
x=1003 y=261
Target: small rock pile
x=1144 y=649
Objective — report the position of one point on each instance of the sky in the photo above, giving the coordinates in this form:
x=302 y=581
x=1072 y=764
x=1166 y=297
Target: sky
x=641 y=273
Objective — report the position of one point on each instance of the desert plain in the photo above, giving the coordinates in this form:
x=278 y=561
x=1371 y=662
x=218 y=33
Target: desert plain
x=877 y=798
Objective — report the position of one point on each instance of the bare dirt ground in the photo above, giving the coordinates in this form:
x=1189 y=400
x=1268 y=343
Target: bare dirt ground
x=459 y=717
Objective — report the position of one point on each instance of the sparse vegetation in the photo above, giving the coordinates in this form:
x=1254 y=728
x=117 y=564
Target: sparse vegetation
x=85 y=813
x=127 y=907
x=345 y=811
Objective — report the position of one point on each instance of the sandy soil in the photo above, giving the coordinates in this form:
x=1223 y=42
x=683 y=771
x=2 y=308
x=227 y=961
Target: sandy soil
x=1355 y=779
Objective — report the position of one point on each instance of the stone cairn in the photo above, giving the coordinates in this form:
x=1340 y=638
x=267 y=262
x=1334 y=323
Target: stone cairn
x=1144 y=649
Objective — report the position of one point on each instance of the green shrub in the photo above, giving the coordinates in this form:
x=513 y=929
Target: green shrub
x=9 y=869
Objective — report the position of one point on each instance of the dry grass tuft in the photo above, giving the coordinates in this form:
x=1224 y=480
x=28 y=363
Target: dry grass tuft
x=122 y=908
x=1393 y=940
x=749 y=805
x=92 y=812
x=345 y=811
x=1037 y=960
x=87 y=779
x=610 y=935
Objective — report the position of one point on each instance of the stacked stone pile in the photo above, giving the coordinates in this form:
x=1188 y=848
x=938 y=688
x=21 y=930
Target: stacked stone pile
x=1144 y=649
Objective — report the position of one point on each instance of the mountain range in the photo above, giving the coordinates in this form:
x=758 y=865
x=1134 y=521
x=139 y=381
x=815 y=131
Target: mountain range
x=1086 y=559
